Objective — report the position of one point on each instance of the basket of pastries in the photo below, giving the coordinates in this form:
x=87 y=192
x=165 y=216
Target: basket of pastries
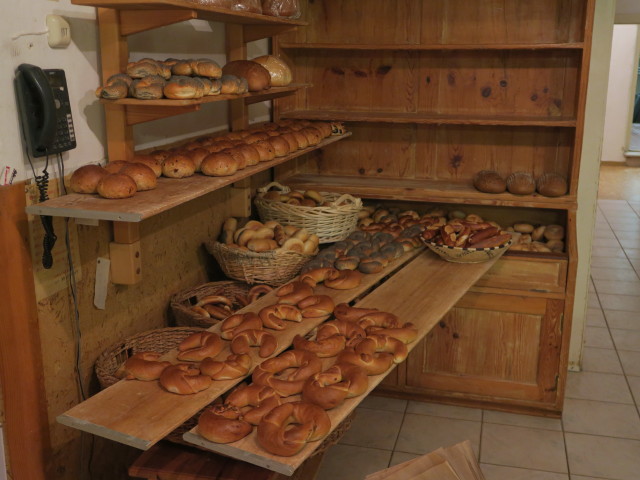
x=331 y=216
x=110 y=364
x=256 y=252
x=466 y=240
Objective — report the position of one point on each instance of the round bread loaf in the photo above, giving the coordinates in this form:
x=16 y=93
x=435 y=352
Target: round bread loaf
x=302 y=140
x=280 y=146
x=198 y=155
x=183 y=88
x=178 y=165
x=115 y=166
x=278 y=70
x=551 y=185
x=314 y=136
x=144 y=68
x=150 y=162
x=250 y=153
x=554 y=232
x=182 y=68
x=258 y=77
x=238 y=157
x=324 y=128
x=116 y=185
x=219 y=164
x=85 y=179
x=265 y=150
x=489 y=181
x=291 y=140
x=205 y=68
x=229 y=85
x=521 y=183
x=143 y=176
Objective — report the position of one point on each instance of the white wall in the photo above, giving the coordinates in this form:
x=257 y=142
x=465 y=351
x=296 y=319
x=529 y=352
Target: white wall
x=621 y=92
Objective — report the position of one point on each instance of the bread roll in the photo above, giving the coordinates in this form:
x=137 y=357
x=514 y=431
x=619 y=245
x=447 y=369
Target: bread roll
x=150 y=162
x=116 y=86
x=265 y=150
x=238 y=157
x=291 y=140
x=178 y=165
x=198 y=155
x=115 y=166
x=250 y=153
x=116 y=185
x=489 y=181
x=85 y=179
x=144 y=177
x=314 y=136
x=554 y=232
x=229 y=85
x=219 y=165
x=205 y=68
x=145 y=68
x=256 y=75
x=279 y=71
x=182 y=68
x=183 y=88
x=551 y=185
x=148 y=88
x=521 y=183
x=280 y=146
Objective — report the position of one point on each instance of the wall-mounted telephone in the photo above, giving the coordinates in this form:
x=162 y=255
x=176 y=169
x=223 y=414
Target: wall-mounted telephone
x=45 y=111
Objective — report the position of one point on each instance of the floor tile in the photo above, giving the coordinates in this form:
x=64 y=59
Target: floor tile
x=346 y=462
x=630 y=363
x=580 y=477
x=521 y=447
x=604 y=387
x=609 y=262
x=622 y=319
x=631 y=236
x=447 y=411
x=529 y=421
x=597 y=337
x=619 y=302
x=626 y=339
x=424 y=433
x=608 y=251
x=617 y=287
x=632 y=253
x=595 y=318
x=373 y=429
x=634 y=384
x=601 y=232
x=497 y=472
x=630 y=242
x=603 y=360
x=604 y=242
x=592 y=301
x=603 y=457
x=619 y=274
x=401 y=457
x=378 y=402
x=601 y=418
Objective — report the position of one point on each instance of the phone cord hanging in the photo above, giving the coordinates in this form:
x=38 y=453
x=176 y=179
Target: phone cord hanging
x=49 y=240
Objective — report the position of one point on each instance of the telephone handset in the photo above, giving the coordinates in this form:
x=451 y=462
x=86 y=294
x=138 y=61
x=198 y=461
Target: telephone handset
x=45 y=110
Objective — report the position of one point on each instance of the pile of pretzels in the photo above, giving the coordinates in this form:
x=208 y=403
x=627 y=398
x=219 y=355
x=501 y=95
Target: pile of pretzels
x=469 y=232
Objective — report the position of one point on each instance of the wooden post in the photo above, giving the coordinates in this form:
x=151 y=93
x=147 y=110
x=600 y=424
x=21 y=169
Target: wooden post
x=124 y=251
x=26 y=422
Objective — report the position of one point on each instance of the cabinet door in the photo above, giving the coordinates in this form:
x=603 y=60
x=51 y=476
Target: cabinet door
x=492 y=347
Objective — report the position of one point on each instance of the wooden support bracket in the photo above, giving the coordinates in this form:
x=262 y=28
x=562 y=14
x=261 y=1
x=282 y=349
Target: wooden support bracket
x=240 y=198
x=126 y=259
x=136 y=21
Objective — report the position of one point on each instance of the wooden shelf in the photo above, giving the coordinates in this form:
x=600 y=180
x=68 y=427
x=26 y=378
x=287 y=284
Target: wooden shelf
x=423 y=190
x=432 y=119
x=436 y=47
x=170 y=193
x=139 y=414
x=422 y=292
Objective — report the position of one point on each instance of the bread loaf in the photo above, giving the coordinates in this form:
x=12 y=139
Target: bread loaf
x=148 y=88
x=183 y=88
x=178 y=165
x=85 y=179
x=489 y=181
x=521 y=183
x=150 y=162
x=144 y=177
x=116 y=185
x=551 y=185
x=218 y=165
x=279 y=71
x=256 y=75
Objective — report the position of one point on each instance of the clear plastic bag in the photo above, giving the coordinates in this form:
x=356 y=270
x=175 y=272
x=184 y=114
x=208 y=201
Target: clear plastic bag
x=281 y=8
x=252 y=6
x=215 y=3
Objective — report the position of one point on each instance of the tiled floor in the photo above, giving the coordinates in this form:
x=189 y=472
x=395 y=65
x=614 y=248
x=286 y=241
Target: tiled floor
x=598 y=437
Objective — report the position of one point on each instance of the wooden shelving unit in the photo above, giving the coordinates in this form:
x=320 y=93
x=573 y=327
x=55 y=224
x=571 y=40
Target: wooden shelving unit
x=427 y=47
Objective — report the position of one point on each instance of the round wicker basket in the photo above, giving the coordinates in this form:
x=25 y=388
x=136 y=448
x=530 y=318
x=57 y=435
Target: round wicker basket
x=467 y=255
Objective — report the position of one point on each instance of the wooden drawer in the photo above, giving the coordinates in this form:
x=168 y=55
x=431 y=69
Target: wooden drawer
x=527 y=273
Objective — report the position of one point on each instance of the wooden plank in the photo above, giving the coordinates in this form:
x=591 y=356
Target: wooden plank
x=169 y=193
x=140 y=414
x=424 y=190
x=421 y=293
x=435 y=46
x=26 y=426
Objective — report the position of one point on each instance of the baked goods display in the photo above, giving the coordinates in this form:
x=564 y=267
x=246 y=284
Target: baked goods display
x=538 y=238
x=470 y=232
x=219 y=307
x=256 y=236
x=548 y=184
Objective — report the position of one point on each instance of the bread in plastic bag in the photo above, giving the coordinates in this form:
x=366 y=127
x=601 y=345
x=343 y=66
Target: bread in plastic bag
x=281 y=8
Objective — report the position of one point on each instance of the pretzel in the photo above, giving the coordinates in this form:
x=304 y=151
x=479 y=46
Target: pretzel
x=200 y=311
x=214 y=299
x=344 y=280
x=257 y=291
x=305 y=363
x=199 y=346
x=328 y=389
x=242 y=342
x=222 y=424
x=254 y=401
x=316 y=306
x=144 y=366
x=235 y=366
x=215 y=311
x=273 y=316
x=327 y=347
x=381 y=343
x=183 y=379
x=350 y=330
x=407 y=333
x=378 y=319
x=293 y=292
x=239 y=322
x=287 y=428
x=317 y=275
x=373 y=364
x=344 y=312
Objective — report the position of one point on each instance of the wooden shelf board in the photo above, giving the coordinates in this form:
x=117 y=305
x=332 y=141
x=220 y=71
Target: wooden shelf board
x=251 y=97
x=170 y=193
x=139 y=414
x=431 y=119
x=423 y=190
x=496 y=46
x=205 y=12
x=421 y=293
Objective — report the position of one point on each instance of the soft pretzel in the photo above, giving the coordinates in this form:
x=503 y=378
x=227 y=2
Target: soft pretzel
x=287 y=428
x=215 y=311
x=199 y=346
x=274 y=316
x=144 y=366
x=214 y=299
x=293 y=292
x=350 y=330
x=382 y=343
x=235 y=366
x=373 y=364
x=243 y=341
x=350 y=314
x=344 y=280
x=407 y=333
x=257 y=291
x=317 y=275
x=316 y=306
x=327 y=347
x=254 y=401
x=183 y=379
x=222 y=424
x=200 y=311
x=378 y=319
x=305 y=363
x=328 y=389
x=239 y=322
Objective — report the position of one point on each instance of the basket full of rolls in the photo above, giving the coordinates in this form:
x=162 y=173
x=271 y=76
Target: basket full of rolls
x=257 y=252
x=330 y=216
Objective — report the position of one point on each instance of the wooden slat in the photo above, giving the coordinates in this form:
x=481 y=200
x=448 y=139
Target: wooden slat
x=423 y=190
x=169 y=193
x=140 y=414
x=393 y=46
x=421 y=293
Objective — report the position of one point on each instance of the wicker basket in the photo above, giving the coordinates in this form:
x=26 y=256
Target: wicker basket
x=181 y=301
x=159 y=341
x=330 y=224
x=467 y=255
x=274 y=267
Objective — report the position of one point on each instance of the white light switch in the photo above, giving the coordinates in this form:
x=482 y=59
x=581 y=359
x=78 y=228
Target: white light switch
x=59 y=35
